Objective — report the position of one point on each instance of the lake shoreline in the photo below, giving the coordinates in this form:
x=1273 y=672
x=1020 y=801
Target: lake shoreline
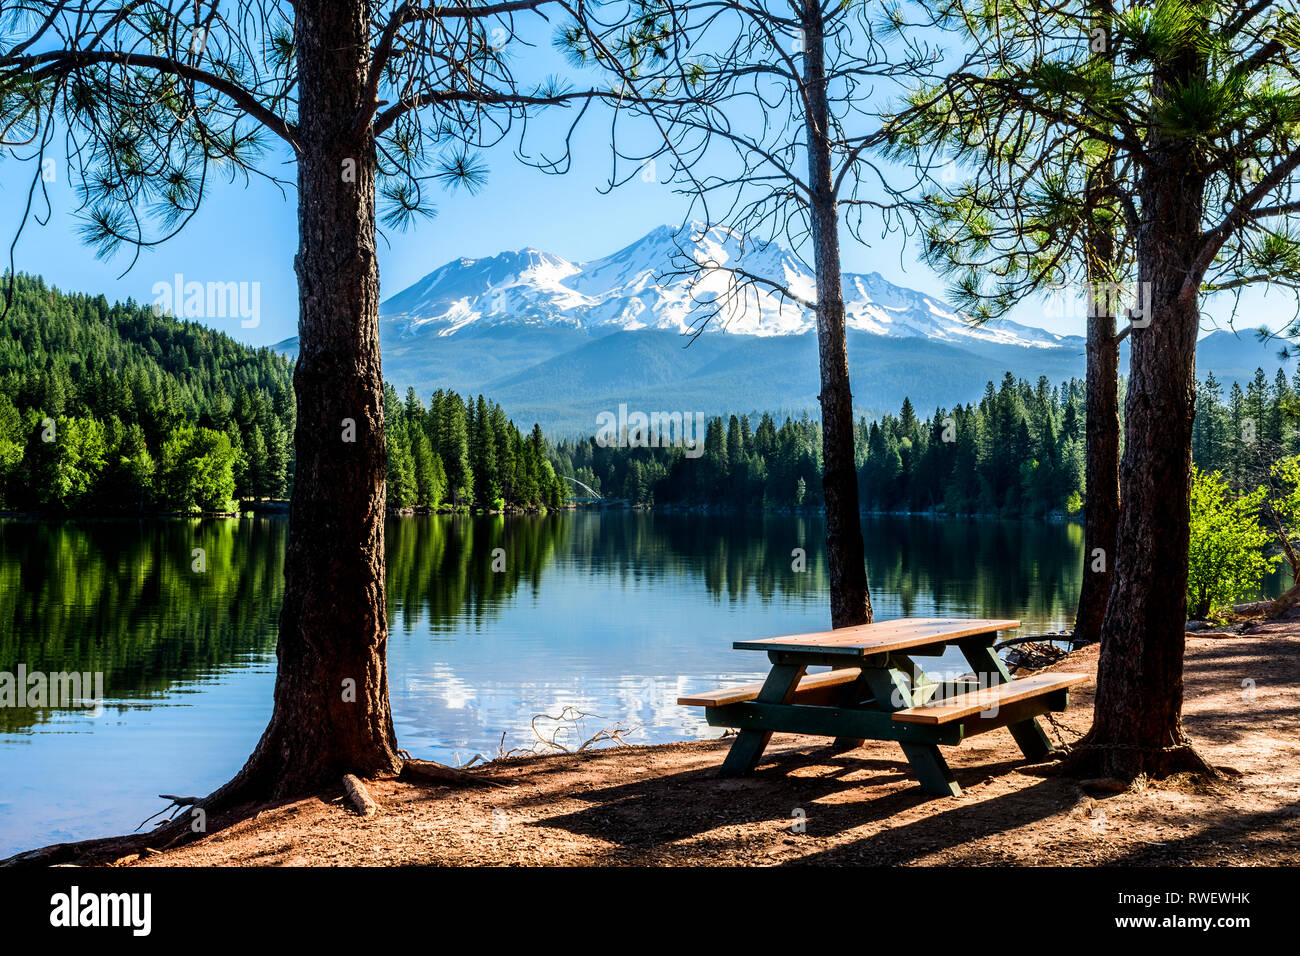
x=665 y=804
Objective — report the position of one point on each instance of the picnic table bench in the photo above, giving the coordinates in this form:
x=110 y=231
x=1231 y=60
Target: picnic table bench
x=875 y=691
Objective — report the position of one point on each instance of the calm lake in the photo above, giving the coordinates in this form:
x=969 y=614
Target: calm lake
x=612 y=614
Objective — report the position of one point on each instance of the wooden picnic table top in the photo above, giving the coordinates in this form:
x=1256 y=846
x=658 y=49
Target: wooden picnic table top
x=880 y=638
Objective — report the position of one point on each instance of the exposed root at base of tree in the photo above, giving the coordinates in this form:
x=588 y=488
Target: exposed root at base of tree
x=107 y=850
x=176 y=806
x=231 y=803
x=426 y=771
x=359 y=796
x=1106 y=766
x=1284 y=602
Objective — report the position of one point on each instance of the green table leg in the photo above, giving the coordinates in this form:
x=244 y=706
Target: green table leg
x=922 y=685
x=852 y=696
x=890 y=687
x=749 y=745
x=984 y=660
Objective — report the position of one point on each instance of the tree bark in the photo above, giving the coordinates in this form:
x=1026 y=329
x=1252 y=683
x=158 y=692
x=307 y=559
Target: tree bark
x=1101 y=427
x=1137 y=727
x=332 y=713
x=1101 y=475
x=850 y=599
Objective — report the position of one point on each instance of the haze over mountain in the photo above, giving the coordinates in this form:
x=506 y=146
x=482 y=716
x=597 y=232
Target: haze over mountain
x=557 y=341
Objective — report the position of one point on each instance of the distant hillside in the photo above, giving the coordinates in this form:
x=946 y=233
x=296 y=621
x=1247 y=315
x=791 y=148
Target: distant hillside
x=563 y=379
x=1235 y=357
x=106 y=406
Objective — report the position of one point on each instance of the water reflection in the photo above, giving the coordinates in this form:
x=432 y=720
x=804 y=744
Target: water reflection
x=124 y=598
x=493 y=620
x=127 y=599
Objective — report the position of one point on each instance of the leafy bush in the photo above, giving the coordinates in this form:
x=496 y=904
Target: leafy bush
x=197 y=469
x=1227 y=560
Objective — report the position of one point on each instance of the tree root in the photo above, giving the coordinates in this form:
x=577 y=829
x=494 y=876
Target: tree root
x=1094 y=761
x=234 y=801
x=426 y=771
x=107 y=850
x=365 y=804
x=178 y=802
x=247 y=793
x=1283 y=602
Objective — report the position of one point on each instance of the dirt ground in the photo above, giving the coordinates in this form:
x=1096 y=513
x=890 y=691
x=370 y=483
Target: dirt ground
x=665 y=805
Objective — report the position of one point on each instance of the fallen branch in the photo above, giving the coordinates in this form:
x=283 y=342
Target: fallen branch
x=570 y=719
x=1034 y=656
x=177 y=802
x=1037 y=639
x=427 y=770
x=365 y=804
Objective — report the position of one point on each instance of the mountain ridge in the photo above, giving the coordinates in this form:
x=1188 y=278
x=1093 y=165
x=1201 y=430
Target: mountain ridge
x=642 y=286
x=558 y=341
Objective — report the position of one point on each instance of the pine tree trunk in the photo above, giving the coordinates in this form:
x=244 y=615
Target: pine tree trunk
x=1101 y=475
x=1101 y=427
x=331 y=713
x=1137 y=725
x=850 y=599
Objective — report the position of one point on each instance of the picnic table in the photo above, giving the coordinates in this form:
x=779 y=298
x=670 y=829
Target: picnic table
x=876 y=691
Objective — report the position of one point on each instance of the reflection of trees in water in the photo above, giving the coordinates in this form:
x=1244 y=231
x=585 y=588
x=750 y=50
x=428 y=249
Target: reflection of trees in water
x=755 y=554
x=735 y=555
x=442 y=566
x=122 y=598
x=1026 y=569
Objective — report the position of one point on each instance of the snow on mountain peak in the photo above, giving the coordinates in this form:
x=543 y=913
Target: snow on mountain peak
x=643 y=285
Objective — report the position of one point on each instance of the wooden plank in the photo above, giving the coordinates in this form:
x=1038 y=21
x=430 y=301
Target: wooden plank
x=951 y=688
x=1015 y=718
x=857 y=694
x=922 y=685
x=970 y=704
x=735 y=695
x=931 y=770
x=882 y=637
x=816 y=721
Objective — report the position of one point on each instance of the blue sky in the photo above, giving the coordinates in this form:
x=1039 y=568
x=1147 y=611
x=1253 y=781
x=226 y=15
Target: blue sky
x=248 y=233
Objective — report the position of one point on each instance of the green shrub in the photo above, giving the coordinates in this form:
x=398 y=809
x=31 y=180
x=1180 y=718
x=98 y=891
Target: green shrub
x=1226 y=559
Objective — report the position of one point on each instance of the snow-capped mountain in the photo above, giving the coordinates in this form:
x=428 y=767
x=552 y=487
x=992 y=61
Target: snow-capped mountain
x=557 y=342
x=643 y=287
